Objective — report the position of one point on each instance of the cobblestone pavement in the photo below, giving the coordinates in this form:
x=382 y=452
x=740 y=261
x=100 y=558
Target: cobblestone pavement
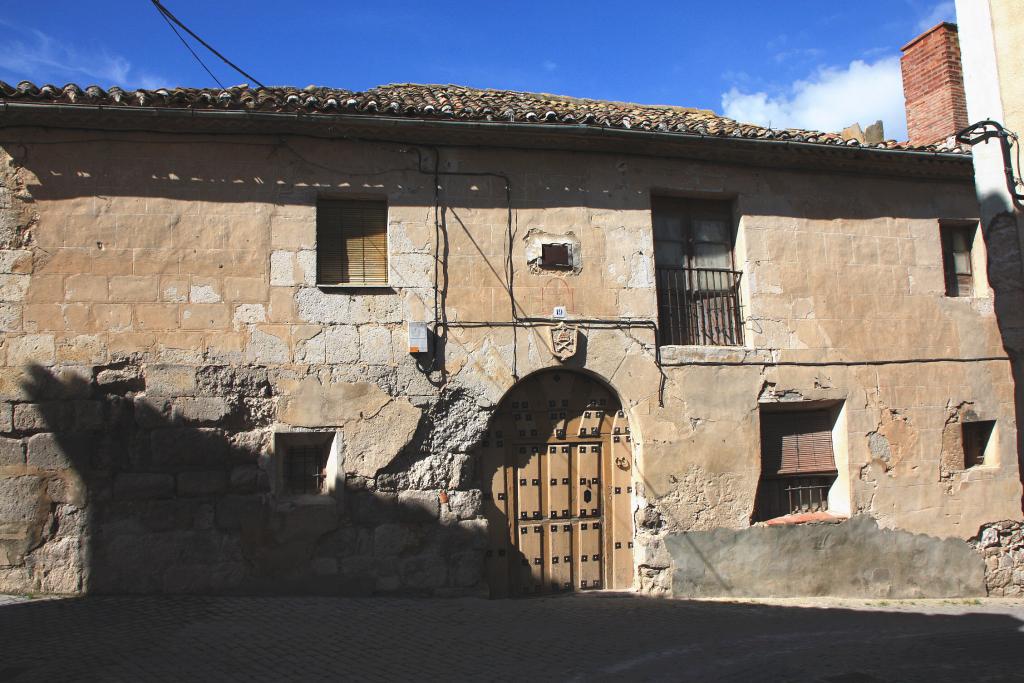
x=587 y=637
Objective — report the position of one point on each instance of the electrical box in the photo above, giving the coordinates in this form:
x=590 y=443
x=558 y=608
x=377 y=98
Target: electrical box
x=419 y=339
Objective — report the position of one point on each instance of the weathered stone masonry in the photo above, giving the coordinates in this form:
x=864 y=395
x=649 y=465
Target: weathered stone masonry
x=162 y=328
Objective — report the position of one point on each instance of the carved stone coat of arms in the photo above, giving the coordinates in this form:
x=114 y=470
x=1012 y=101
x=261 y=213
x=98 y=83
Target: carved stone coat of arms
x=563 y=340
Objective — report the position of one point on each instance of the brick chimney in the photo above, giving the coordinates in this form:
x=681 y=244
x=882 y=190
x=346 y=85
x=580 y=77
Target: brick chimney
x=933 y=85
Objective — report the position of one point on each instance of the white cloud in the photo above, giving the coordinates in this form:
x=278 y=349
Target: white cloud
x=829 y=100
x=38 y=57
x=549 y=65
x=943 y=11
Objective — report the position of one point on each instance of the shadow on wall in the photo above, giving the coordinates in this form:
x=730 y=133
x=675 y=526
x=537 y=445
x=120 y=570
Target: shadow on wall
x=1006 y=277
x=289 y=170
x=107 y=489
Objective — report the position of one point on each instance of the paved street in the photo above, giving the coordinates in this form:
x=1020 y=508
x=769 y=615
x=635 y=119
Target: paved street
x=595 y=636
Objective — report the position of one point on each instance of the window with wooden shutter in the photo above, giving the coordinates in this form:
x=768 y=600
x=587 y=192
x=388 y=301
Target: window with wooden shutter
x=797 y=443
x=351 y=242
x=957 y=246
x=798 y=466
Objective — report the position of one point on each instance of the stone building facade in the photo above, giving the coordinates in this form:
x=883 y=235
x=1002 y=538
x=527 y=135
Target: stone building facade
x=171 y=351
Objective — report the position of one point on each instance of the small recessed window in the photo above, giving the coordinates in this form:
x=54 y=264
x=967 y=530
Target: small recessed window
x=957 y=261
x=305 y=468
x=556 y=256
x=351 y=243
x=976 y=436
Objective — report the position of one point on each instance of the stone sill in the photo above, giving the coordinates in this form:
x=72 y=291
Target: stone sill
x=357 y=285
x=807 y=518
x=305 y=500
x=680 y=355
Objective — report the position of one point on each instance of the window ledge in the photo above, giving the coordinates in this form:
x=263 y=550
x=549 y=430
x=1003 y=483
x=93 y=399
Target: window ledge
x=807 y=518
x=676 y=354
x=357 y=285
x=292 y=500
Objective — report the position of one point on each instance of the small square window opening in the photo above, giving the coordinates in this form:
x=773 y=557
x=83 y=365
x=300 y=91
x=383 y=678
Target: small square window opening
x=976 y=436
x=305 y=468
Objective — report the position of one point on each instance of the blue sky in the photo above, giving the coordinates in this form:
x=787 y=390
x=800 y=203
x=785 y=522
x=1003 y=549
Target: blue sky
x=792 y=63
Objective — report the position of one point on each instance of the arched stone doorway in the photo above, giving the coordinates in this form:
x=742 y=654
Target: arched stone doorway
x=557 y=475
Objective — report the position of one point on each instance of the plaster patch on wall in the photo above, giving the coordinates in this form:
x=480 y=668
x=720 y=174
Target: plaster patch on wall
x=534 y=241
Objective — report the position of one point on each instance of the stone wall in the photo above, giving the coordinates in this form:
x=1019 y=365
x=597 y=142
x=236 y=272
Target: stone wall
x=162 y=327
x=1002 y=546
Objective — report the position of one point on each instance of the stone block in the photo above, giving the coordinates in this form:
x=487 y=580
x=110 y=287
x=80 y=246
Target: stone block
x=393 y=539
x=203 y=409
x=375 y=345
x=12 y=452
x=6 y=416
x=170 y=380
x=143 y=485
x=246 y=479
x=175 y=448
x=174 y=289
x=467 y=568
x=418 y=506
x=424 y=571
x=10 y=317
x=465 y=504
x=85 y=287
x=245 y=289
x=282 y=269
x=205 y=317
x=305 y=519
x=156 y=316
x=87 y=416
x=60 y=451
x=134 y=288
x=268 y=345
x=202 y=483
x=15 y=261
x=249 y=314
x=234 y=512
x=205 y=291
x=120 y=380
x=342 y=344
x=14 y=287
x=370 y=507
x=41 y=417
x=31 y=349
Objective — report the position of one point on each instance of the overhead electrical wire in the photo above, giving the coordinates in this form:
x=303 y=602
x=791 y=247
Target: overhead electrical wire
x=169 y=18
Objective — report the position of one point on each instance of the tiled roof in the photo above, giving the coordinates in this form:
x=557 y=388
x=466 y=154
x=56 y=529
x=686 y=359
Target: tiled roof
x=439 y=102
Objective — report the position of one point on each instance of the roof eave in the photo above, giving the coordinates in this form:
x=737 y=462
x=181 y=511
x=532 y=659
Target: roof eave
x=789 y=154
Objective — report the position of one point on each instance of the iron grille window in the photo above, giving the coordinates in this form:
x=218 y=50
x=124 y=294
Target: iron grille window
x=351 y=242
x=797 y=463
x=957 y=245
x=698 y=290
x=306 y=469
